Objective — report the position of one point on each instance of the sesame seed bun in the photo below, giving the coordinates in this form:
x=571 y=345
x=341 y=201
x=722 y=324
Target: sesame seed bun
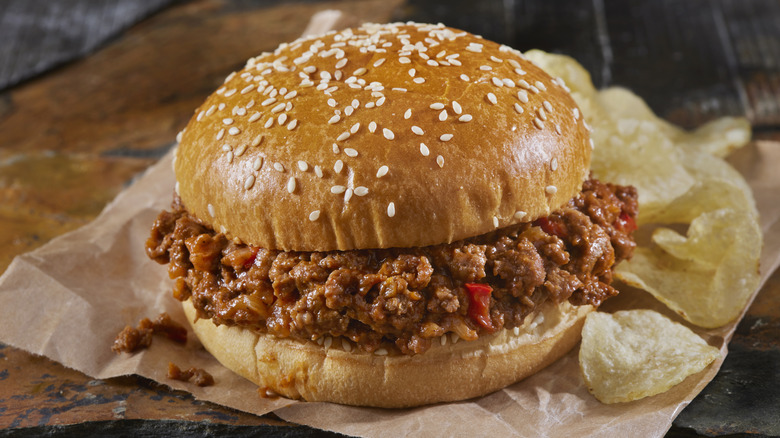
x=447 y=372
x=396 y=135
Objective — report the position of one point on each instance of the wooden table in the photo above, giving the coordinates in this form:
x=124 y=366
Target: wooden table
x=71 y=139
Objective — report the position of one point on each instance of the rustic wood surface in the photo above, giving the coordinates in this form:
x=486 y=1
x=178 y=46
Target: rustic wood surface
x=73 y=138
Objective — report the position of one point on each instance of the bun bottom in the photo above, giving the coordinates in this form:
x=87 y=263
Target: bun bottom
x=449 y=372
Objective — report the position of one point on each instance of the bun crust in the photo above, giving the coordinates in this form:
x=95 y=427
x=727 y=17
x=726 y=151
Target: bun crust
x=329 y=143
x=306 y=370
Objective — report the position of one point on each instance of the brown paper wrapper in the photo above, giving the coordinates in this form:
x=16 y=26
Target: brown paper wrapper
x=68 y=300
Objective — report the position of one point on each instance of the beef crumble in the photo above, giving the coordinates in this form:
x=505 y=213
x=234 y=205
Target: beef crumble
x=403 y=296
x=132 y=339
x=198 y=376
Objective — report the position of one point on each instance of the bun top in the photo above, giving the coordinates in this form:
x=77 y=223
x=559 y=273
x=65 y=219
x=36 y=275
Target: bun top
x=393 y=135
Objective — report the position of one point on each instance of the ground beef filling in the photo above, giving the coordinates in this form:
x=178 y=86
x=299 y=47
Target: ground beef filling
x=406 y=297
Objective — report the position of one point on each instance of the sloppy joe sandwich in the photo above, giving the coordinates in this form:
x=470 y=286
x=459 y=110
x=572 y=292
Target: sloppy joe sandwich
x=392 y=215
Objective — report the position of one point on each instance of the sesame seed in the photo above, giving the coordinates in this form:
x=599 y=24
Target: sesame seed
x=179 y=135
x=337 y=190
x=291 y=185
x=337 y=166
x=445 y=137
x=542 y=114
x=380 y=101
x=465 y=118
x=440 y=161
x=523 y=83
x=534 y=89
x=418 y=80
x=290 y=95
x=576 y=112
x=230 y=92
x=424 y=150
x=332 y=103
x=432 y=63
x=348 y=111
x=268 y=101
x=314 y=215
x=404 y=60
x=254 y=117
x=220 y=134
x=230 y=157
x=538 y=123
x=388 y=134
x=269 y=122
x=519 y=214
x=540 y=85
x=465 y=78
x=485 y=67
x=211 y=110
x=551 y=190
x=211 y=210
x=282 y=118
x=372 y=127
x=277 y=108
x=554 y=164
x=361 y=191
x=355 y=103
x=437 y=106
x=334 y=119
x=518 y=108
x=514 y=63
x=492 y=98
x=547 y=106
x=258 y=163
x=382 y=171
x=497 y=82
x=474 y=47
x=351 y=152
x=354 y=128
x=226 y=148
x=248 y=88
x=495 y=221
x=303 y=166
x=456 y=107
x=495 y=59
x=318 y=171
x=234 y=131
x=344 y=135
x=443 y=115
x=592 y=145
x=403 y=90
x=250 y=181
x=348 y=195
x=220 y=107
x=341 y=63
x=390 y=210
x=508 y=82
x=359 y=71
x=240 y=151
x=412 y=72
x=523 y=96
x=370 y=105
x=379 y=62
x=417 y=130
x=279 y=167
x=558 y=129
x=200 y=115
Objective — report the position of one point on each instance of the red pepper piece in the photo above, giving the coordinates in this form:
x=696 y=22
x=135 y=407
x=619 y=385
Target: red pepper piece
x=251 y=260
x=625 y=223
x=552 y=228
x=479 y=304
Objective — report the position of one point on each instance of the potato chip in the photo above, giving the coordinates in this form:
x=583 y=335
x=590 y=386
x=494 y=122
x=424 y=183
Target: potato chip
x=706 y=277
x=634 y=354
